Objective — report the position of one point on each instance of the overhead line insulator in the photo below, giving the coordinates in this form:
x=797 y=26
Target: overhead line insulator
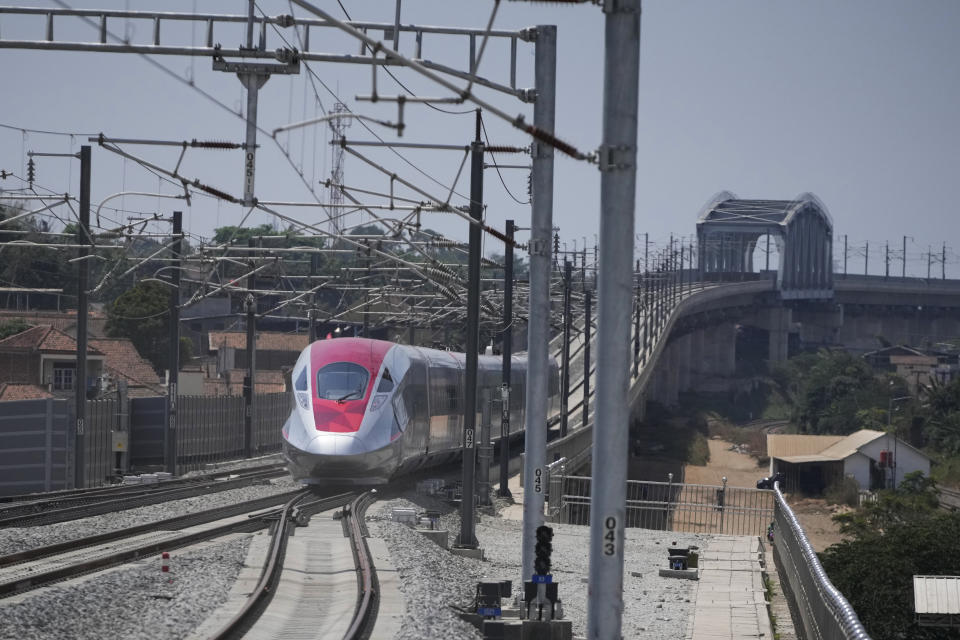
x=491 y=148
x=214 y=144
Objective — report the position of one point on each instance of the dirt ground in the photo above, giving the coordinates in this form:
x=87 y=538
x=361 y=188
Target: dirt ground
x=742 y=470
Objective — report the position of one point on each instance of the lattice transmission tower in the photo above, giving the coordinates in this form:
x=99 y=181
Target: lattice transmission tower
x=339 y=126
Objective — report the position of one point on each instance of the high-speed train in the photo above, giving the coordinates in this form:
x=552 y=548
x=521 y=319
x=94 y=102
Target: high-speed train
x=367 y=410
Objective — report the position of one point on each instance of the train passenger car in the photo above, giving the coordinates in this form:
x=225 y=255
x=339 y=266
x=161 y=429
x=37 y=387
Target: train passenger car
x=367 y=410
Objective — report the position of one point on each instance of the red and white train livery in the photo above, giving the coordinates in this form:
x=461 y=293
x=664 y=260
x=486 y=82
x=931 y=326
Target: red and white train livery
x=367 y=410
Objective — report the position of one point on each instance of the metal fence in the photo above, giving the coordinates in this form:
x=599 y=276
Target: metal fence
x=670 y=506
x=824 y=613
x=209 y=429
x=99 y=463
x=272 y=411
x=36 y=446
x=147 y=423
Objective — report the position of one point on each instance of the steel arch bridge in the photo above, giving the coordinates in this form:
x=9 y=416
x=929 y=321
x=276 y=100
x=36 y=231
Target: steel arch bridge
x=728 y=230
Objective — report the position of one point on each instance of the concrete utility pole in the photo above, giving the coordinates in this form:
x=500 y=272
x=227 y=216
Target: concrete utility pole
x=567 y=322
x=173 y=365
x=903 y=271
x=586 y=355
x=545 y=73
x=507 y=362
x=617 y=163
x=844 y=255
x=249 y=383
x=467 y=537
x=311 y=317
x=83 y=271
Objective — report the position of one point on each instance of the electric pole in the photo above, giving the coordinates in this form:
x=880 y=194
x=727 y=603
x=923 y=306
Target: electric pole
x=173 y=365
x=467 y=537
x=507 y=362
x=83 y=271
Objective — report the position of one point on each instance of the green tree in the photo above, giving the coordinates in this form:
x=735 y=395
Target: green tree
x=142 y=314
x=27 y=265
x=942 y=416
x=834 y=392
x=12 y=328
x=241 y=235
x=916 y=498
x=900 y=535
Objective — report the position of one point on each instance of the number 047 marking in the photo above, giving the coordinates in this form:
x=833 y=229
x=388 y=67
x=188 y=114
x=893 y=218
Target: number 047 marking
x=610 y=536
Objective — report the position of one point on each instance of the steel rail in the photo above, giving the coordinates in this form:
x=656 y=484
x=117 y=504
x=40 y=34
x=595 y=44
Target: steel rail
x=138 y=499
x=119 y=488
x=169 y=524
x=368 y=600
x=292 y=514
x=40 y=578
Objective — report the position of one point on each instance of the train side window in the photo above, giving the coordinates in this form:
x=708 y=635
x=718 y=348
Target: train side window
x=386 y=382
x=400 y=413
x=453 y=399
x=301 y=384
x=342 y=381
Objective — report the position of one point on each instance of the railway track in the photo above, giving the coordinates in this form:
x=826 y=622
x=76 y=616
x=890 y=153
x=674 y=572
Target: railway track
x=42 y=566
x=949 y=499
x=315 y=614
x=84 y=503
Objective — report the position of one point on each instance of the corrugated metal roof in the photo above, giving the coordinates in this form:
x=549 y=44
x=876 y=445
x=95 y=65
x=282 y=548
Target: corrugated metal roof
x=782 y=446
x=936 y=594
x=812 y=457
x=851 y=444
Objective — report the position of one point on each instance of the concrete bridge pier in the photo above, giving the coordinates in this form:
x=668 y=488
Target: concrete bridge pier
x=684 y=362
x=695 y=365
x=779 y=320
x=725 y=348
x=673 y=374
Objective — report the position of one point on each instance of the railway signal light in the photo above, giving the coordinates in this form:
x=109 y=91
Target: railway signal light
x=541 y=563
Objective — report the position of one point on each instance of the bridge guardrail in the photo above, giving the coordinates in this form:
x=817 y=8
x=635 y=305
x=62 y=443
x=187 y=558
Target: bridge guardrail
x=824 y=613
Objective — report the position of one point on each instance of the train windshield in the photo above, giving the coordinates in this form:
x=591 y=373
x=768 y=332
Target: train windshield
x=342 y=381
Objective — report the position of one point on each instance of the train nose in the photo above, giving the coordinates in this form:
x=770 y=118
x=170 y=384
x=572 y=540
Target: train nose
x=336 y=445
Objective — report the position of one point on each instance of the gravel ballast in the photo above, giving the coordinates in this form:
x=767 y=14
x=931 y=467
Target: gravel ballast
x=23 y=538
x=133 y=602
x=436 y=584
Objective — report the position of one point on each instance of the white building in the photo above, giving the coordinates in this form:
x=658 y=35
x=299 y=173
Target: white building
x=872 y=458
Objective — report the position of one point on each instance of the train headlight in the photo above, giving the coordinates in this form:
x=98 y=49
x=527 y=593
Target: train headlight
x=378 y=401
x=303 y=400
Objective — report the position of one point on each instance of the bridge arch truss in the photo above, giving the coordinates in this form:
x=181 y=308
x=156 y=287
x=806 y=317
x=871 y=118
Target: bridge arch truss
x=728 y=230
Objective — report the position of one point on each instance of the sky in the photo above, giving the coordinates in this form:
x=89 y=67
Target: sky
x=853 y=101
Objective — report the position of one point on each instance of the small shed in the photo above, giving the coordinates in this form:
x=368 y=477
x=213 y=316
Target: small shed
x=874 y=459
x=936 y=601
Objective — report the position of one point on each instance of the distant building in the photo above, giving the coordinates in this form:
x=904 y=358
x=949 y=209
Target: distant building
x=123 y=362
x=230 y=383
x=65 y=321
x=209 y=314
x=46 y=357
x=810 y=464
x=274 y=350
x=918 y=367
x=10 y=391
